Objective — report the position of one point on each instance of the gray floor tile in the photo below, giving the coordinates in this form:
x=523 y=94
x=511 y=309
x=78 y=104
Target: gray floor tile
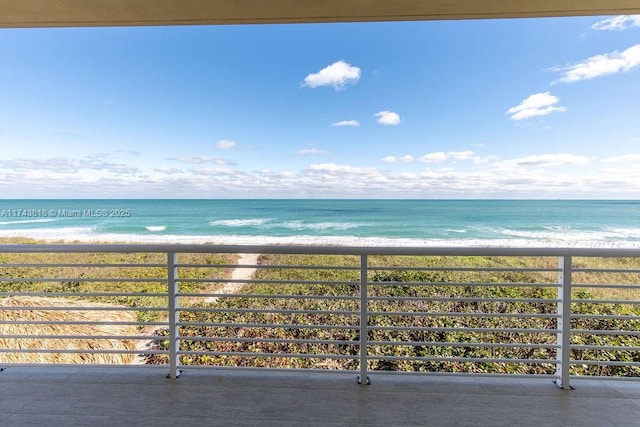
x=35 y=420
x=144 y=396
x=621 y=412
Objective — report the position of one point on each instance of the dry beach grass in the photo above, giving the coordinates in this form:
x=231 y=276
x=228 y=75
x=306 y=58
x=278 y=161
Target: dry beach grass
x=30 y=313
x=23 y=319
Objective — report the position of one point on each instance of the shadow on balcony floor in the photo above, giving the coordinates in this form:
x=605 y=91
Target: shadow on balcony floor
x=136 y=396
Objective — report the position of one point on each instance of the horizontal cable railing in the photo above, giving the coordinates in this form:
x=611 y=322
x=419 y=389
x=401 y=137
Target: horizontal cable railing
x=561 y=313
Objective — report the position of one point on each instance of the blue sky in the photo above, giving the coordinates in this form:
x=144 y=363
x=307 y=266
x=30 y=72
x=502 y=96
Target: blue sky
x=527 y=108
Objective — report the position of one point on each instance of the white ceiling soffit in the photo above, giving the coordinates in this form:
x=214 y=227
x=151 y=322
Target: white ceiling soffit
x=77 y=13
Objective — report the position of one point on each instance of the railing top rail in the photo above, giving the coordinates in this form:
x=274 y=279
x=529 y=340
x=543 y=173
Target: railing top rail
x=321 y=249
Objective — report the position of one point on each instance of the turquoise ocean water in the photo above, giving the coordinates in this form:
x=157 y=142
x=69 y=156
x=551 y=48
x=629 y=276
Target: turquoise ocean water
x=515 y=223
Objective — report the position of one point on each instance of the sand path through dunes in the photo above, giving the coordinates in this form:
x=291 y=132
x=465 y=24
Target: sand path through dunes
x=239 y=273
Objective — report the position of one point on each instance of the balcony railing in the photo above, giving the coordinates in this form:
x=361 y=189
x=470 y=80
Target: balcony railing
x=559 y=313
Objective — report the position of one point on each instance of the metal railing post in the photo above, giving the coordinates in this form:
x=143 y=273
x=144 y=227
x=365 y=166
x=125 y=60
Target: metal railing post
x=564 y=322
x=172 y=293
x=363 y=378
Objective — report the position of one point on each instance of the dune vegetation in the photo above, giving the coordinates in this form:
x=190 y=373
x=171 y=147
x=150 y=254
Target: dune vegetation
x=446 y=303
x=451 y=318
x=26 y=282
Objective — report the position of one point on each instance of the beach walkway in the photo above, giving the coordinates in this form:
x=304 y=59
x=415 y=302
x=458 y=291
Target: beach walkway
x=238 y=273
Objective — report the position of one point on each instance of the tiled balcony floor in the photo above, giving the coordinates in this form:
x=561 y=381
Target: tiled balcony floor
x=143 y=396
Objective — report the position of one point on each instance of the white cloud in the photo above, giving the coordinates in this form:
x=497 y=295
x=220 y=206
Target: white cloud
x=224 y=144
x=339 y=75
x=336 y=169
x=169 y=171
x=617 y=23
x=310 y=151
x=388 y=118
x=215 y=171
x=543 y=160
x=600 y=65
x=354 y=123
x=538 y=104
x=441 y=156
x=280 y=175
x=437 y=157
x=201 y=159
x=624 y=158
x=64 y=165
x=393 y=159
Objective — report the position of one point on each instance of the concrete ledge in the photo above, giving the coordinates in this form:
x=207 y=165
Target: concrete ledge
x=74 y=13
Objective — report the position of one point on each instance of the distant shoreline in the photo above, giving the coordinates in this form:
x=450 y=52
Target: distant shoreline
x=304 y=241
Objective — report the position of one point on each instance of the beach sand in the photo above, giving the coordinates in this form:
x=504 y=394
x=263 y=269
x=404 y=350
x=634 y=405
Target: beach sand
x=239 y=273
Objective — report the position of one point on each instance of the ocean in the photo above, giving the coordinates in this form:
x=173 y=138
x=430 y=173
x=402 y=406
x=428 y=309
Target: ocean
x=505 y=223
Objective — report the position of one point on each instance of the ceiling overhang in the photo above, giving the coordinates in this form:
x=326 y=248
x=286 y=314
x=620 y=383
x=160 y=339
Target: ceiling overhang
x=89 y=13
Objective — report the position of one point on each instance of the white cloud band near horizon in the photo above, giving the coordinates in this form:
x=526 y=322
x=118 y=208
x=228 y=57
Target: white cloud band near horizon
x=64 y=165
x=633 y=157
x=201 y=159
x=539 y=175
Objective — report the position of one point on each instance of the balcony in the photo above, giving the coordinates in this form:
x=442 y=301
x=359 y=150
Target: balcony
x=444 y=336
x=143 y=396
